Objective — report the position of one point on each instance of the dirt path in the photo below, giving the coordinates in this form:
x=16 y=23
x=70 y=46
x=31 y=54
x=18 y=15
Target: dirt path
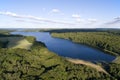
x=97 y=67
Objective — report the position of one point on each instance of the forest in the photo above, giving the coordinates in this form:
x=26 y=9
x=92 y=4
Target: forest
x=108 y=41
x=38 y=63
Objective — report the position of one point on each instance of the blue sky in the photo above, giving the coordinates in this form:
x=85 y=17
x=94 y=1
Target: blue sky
x=59 y=14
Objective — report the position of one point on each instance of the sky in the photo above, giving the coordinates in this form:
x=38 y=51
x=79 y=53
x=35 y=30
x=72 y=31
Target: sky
x=59 y=13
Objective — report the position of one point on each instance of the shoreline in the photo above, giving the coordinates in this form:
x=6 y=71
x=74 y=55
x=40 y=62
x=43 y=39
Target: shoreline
x=103 y=50
x=116 y=60
x=87 y=63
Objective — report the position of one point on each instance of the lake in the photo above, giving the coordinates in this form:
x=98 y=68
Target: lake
x=67 y=48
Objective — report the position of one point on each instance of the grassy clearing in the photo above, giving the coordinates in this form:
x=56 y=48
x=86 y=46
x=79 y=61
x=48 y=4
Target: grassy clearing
x=16 y=42
x=24 y=44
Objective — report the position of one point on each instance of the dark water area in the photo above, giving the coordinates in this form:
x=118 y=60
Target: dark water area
x=68 y=48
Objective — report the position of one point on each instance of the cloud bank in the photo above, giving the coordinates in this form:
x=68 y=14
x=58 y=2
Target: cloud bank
x=114 y=21
x=76 y=16
x=76 y=20
x=55 y=11
x=11 y=14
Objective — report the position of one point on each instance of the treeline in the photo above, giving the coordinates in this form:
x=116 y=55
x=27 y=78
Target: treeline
x=81 y=30
x=5 y=31
x=31 y=39
x=114 y=70
x=3 y=44
x=8 y=35
x=106 y=41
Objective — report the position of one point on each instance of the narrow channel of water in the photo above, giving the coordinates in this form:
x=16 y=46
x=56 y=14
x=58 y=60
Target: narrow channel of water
x=67 y=48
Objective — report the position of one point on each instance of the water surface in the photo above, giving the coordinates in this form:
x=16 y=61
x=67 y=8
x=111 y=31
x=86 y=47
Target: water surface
x=67 y=48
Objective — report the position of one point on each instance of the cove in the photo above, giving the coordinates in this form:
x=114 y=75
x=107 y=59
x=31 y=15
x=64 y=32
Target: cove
x=67 y=48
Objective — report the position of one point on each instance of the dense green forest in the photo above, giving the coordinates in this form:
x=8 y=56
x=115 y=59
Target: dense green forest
x=107 y=41
x=38 y=63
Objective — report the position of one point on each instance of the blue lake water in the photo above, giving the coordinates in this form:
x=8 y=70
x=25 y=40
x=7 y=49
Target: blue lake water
x=68 y=48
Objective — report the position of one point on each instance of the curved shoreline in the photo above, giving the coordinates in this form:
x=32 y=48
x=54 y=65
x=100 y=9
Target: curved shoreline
x=87 y=63
x=97 y=48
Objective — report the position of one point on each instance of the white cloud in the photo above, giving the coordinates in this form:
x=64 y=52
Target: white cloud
x=80 y=20
x=114 y=21
x=75 y=22
x=55 y=11
x=76 y=16
x=92 y=21
x=84 y=21
x=34 y=18
x=28 y=21
x=10 y=14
